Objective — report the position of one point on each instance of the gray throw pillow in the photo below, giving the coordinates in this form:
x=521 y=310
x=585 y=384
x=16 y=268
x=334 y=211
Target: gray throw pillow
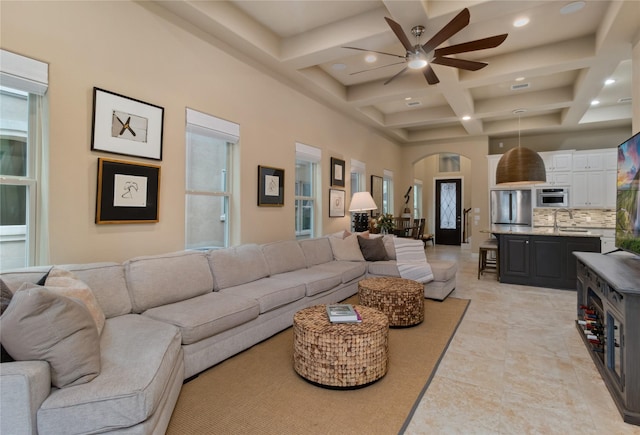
x=5 y=299
x=373 y=249
x=42 y=325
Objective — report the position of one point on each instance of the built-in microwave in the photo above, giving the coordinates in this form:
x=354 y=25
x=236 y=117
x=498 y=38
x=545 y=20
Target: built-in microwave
x=553 y=197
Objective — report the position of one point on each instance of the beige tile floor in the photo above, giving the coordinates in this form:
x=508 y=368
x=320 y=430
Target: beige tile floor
x=517 y=365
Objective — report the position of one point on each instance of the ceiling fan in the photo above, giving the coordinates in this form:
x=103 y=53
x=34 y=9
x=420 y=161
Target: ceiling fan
x=422 y=56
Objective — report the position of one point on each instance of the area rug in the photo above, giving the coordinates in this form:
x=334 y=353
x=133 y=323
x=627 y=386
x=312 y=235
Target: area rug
x=258 y=392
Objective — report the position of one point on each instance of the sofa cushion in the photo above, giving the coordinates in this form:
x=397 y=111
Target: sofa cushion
x=108 y=284
x=443 y=270
x=348 y=270
x=237 y=265
x=136 y=369
x=270 y=293
x=164 y=279
x=65 y=283
x=384 y=268
x=315 y=280
x=346 y=249
x=206 y=315
x=284 y=256
x=40 y=324
x=372 y=249
x=316 y=251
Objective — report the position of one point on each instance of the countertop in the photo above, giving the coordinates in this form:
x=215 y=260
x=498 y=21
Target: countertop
x=549 y=231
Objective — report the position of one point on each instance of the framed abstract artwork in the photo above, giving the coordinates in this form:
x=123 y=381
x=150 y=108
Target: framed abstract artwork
x=270 y=187
x=336 y=203
x=127 y=192
x=123 y=125
x=337 y=172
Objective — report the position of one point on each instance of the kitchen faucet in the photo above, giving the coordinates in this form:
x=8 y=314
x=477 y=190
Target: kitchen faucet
x=555 y=217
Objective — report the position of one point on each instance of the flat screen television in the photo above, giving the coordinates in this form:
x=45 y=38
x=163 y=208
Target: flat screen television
x=628 y=196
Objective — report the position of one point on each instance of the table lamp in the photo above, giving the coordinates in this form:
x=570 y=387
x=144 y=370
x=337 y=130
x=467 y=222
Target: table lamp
x=361 y=203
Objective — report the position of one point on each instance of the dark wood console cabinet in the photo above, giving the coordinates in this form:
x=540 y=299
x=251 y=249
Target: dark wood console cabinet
x=608 y=288
x=543 y=261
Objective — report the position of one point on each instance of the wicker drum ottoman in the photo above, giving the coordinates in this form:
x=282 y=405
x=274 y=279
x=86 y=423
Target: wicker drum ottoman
x=340 y=355
x=402 y=300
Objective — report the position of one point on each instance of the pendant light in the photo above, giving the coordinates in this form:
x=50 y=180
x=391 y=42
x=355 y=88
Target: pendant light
x=520 y=166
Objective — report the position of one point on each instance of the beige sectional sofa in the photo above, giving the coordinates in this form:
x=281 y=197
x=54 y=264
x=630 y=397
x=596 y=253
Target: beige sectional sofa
x=169 y=317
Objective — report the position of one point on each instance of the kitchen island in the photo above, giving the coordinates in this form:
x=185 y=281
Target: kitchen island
x=542 y=256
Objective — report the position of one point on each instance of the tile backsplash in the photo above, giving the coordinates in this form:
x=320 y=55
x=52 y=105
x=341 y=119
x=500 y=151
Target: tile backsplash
x=582 y=217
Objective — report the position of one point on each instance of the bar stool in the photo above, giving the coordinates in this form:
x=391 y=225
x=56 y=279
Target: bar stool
x=486 y=263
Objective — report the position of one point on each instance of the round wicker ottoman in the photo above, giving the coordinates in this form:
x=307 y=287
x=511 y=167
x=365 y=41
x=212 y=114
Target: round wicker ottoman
x=400 y=299
x=340 y=355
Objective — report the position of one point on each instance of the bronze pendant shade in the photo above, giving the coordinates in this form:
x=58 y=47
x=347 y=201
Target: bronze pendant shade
x=520 y=166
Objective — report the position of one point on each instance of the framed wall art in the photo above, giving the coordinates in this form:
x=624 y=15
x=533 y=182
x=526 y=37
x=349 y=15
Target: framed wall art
x=127 y=192
x=270 y=187
x=123 y=125
x=336 y=203
x=337 y=172
x=376 y=193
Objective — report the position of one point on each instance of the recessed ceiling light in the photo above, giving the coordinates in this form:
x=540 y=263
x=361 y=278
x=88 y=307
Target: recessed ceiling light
x=595 y=102
x=519 y=22
x=339 y=66
x=466 y=118
x=407 y=98
x=609 y=81
x=519 y=79
x=572 y=7
x=370 y=58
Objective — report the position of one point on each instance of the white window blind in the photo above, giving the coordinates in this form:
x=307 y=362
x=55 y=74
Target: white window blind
x=225 y=130
x=308 y=153
x=23 y=73
x=358 y=166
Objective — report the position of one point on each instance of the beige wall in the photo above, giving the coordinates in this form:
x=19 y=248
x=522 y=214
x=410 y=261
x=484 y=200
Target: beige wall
x=124 y=48
x=475 y=149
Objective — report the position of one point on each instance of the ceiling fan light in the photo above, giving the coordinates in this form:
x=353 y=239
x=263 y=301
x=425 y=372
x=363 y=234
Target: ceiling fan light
x=520 y=166
x=416 y=61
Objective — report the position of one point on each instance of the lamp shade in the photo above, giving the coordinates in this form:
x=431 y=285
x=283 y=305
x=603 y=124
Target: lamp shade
x=362 y=201
x=520 y=166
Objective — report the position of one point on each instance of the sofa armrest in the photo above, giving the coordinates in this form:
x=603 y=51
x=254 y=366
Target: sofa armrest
x=24 y=385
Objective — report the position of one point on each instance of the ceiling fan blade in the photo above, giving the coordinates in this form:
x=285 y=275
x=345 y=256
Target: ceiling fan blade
x=401 y=71
x=372 y=69
x=430 y=75
x=397 y=29
x=373 y=51
x=458 y=23
x=478 y=44
x=469 y=65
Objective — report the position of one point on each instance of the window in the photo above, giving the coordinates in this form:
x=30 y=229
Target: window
x=358 y=180
x=209 y=149
x=307 y=159
x=387 y=192
x=23 y=163
x=417 y=199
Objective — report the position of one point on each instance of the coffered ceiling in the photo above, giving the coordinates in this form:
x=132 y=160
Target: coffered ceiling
x=554 y=67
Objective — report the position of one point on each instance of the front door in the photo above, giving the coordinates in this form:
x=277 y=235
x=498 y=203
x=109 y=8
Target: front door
x=448 y=211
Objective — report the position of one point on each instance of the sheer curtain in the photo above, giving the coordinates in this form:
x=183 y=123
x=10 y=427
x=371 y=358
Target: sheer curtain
x=39 y=131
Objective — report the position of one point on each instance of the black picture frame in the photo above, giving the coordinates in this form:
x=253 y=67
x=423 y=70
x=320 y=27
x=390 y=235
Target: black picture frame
x=270 y=187
x=336 y=203
x=126 y=126
x=127 y=192
x=376 y=194
x=337 y=172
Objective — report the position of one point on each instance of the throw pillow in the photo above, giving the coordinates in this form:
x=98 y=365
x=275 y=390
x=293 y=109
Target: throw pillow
x=42 y=325
x=5 y=299
x=346 y=249
x=389 y=246
x=5 y=296
x=67 y=284
x=372 y=249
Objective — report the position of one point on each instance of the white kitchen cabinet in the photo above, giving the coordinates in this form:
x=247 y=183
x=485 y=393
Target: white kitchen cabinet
x=557 y=161
x=587 y=189
x=493 y=160
x=588 y=161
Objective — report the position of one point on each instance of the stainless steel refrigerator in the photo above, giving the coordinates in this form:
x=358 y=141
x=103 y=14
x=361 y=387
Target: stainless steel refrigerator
x=511 y=207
